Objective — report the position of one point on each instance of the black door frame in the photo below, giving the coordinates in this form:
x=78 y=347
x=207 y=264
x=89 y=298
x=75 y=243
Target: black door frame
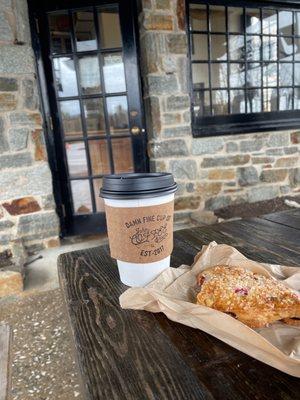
x=129 y=27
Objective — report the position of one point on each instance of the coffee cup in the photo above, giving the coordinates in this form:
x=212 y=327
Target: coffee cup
x=139 y=211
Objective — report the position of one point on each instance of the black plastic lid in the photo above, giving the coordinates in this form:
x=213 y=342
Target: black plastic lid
x=137 y=186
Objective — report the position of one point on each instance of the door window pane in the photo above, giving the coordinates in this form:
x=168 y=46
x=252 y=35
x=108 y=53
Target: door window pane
x=236 y=47
x=99 y=157
x=219 y=75
x=117 y=114
x=219 y=102
x=297 y=74
x=285 y=99
x=89 y=74
x=254 y=75
x=235 y=19
x=198 y=17
x=269 y=22
x=269 y=48
x=113 y=71
x=237 y=101
x=237 y=75
x=199 y=47
x=76 y=157
x=285 y=74
x=253 y=22
x=94 y=116
x=201 y=103
x=217 y=18
x=71 y=118
x=60 y=32
x=122 y=155
x=270 y=74
x=285 y=23
x=200 y=76
x=253 y=100
x=218 y=47
x=285 y=49
x=253 y=48
x=84 y=28
x=297 y=48
x=270 y=100
x=81 y=195
x=98 y=200
x=109 y=26
x=297 y=99
x=65 y=76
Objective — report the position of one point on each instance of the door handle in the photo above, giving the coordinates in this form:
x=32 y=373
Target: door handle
x=135 y=130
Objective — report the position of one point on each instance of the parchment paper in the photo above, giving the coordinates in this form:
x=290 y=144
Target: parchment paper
x=171 y=293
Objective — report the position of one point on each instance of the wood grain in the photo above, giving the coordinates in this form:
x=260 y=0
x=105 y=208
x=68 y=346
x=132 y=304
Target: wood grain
x=5 y=360
x=137 y=355
x=289 y=218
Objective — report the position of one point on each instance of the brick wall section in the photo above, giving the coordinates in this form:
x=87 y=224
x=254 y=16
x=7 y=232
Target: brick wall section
x=211 y=172
x=27 y=209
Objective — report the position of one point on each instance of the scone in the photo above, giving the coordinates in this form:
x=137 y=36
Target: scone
x=252 y=298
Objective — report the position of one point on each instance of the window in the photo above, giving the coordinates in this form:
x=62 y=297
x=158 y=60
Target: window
x=245 y=66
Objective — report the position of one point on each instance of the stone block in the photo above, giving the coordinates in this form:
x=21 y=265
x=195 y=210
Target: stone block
x=207 y=145
x=158 y=166
x=274 y=152
x=168 y=148
x=273 y=175
x=171 y=118
x=221 y=174
x=36 y=180
x=18 y=138
x=162 y=84
x=16 y=60
x=225 y=161
x=53 y=242
x=17 y=160
x=8 y=84
x=204 y=217
x=11 y=283
x=3 y=140
x=157 y=22
x=279 y=139
x=262 y=193
x=6 y=32
x=190 y=187
x=23 y=27
x=247 y=176
x=291 y=150
x=25 y=118
x=177 y=43
x=177 y=102
x=8 y=102
x=153 y=47
x=262 y=160
x=287 y=162
x=180 y=189
x=48 y=202
x=162 y=4
x=153 y=116
x=285 y=189
x=6 y=224
x=5 y=238
x=37 y=224
x=187 y=203
x=232 y=147
x=40 y=153
x=295 y=137
x=294 y=177
x=183 y=169
x=208 y=189
x=187 y=116
x=251 y=145
x=218 y=202
x=146 y=4
x=183 y=74
x=30 y=97
x=180 y=12
x=177 y=131
x=169 y=63
x=25 y=205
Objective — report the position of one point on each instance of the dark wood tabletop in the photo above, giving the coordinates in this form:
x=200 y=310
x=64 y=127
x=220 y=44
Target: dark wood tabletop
x=125 y=354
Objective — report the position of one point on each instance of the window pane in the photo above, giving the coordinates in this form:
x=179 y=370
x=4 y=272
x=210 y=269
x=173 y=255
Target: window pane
x=237 y=75
x=76 y=157
x=297 y=24
x=219 y=102
x=297 y=74
x=117 y=114
x=113 y=71
x=253 y=23
x=269 y=22
x=236 y=47
x=198 y=17
x=199 y=47
x=109 y=26
x=297 y=98
x=236 y=19
x=84 y=28
x=253 y=74
x=285 y=23
x=219 y=75
x=81 y=195
x=89 y=74
x=200 y=76
x=217 y=19
x=97 y=183
x=122 y=155
x=94 y=116
x=65 y=76
x=285 y=74
x=285 y=99
x=270 y=100
x=297 y=49
x=269 y=48
x=71 y=119
x=285 y=49
x=201 y=103
x=218 y=47
x=253 y=48
x=270 y=74
x=60 y=32
x=253 y=100
x=99 y=157
x=237 y=101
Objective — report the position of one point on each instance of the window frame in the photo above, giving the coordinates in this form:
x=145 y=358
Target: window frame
x=244 y=122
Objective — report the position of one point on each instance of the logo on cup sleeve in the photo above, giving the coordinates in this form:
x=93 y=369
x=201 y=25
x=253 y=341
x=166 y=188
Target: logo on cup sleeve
x=145 y=235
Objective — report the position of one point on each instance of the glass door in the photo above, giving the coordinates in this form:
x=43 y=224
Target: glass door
x=95 y=102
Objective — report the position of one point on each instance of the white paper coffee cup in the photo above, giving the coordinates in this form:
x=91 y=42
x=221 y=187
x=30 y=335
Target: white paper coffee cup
x=139 y=212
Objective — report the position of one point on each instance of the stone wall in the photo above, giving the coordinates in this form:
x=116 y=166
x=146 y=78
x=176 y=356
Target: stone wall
x=27 y=209
x=211 y=172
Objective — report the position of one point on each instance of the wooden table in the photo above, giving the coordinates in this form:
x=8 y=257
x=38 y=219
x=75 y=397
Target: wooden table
x=124 y=354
